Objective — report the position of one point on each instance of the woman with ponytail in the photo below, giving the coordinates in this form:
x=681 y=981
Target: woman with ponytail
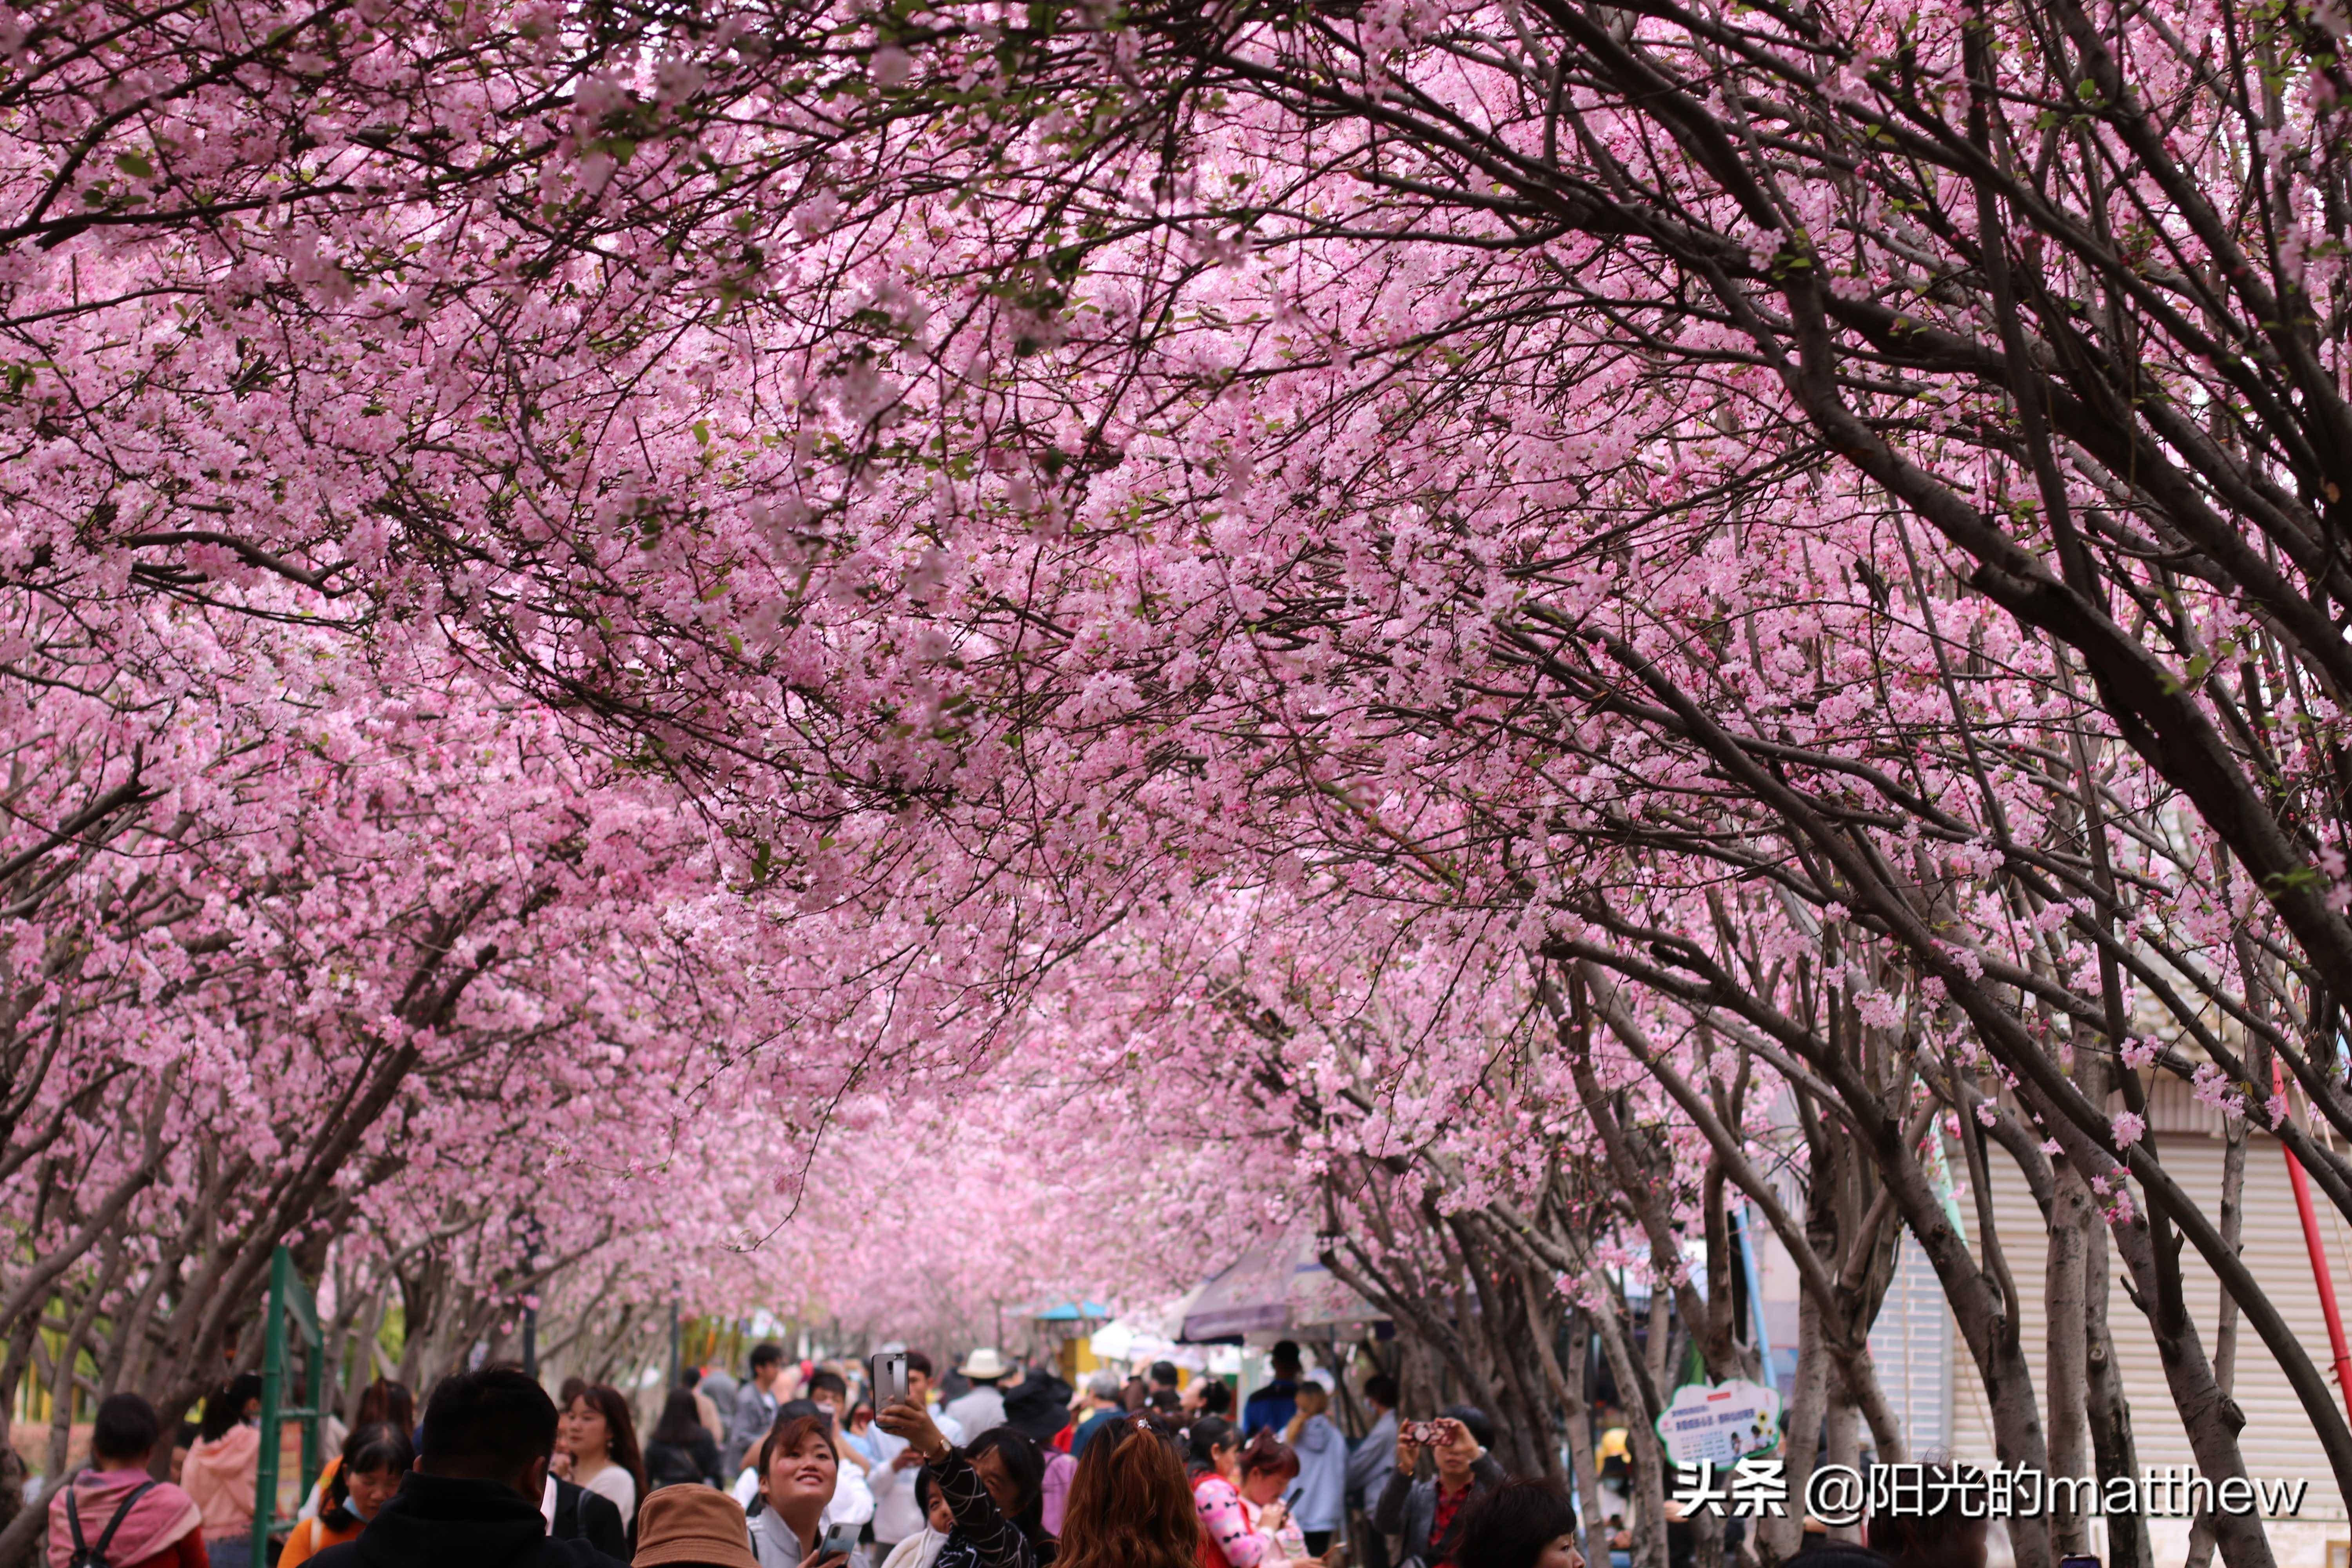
x=1131 y=1505
x=1226 y=1540
x=370 y=1466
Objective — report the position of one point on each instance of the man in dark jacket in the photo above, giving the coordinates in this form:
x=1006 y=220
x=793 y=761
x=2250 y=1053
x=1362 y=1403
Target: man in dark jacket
x=473 y=1500
x=756 y=1404
x=1276 y=1401
x=1429 y=1514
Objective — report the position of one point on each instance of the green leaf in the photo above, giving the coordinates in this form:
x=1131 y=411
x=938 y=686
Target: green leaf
x=132 y=164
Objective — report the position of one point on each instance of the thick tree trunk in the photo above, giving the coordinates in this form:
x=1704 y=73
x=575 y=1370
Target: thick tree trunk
x=1842 y=1446
x=2066 y=1345
x=2110 y=1414
x=1565 y=1399
x=1592 y=1513
x=2151 y=1249
x=1779 y=1539
x=1525 y=1429
x=1859 y=1374
x=1647 y=1490
x=23 y=1543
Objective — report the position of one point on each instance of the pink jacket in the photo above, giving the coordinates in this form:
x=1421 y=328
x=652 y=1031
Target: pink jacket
x=1228 y=1527
x=162 y=1516
x=220 y=1476
x=1054 y=1494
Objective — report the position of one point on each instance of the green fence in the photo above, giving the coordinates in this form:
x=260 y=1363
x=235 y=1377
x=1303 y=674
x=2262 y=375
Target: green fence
x=289 y=1297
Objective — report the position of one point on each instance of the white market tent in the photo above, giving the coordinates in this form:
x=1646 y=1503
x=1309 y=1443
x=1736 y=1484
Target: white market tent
x=1275 y=1289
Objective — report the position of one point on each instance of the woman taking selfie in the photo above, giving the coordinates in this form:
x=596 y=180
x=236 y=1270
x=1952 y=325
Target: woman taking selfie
x=603 y=1443
x=798 y=1467
x=991 y=1489
x=367 y=1473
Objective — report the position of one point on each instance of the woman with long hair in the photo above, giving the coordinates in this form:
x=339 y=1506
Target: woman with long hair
x=1013 y=1471
x=681 y=1451
x=1227 y=1540
x=1131 y=1504
x=225 y=1460
x=367 y=1472
x=602 y=1442
x=798 y=1467
x=389 y=1402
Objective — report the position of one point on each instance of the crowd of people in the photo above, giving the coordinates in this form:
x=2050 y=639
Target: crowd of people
x=800 y=1466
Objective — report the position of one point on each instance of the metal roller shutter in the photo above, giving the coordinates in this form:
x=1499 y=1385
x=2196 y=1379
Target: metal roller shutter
x=2277 y=1440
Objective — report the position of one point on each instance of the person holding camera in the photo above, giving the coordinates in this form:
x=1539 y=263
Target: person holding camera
x=992 y=1490
x=898 y=1512
x=1428 y=1513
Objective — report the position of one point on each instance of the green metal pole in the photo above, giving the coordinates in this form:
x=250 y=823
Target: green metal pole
x=273 y=1382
